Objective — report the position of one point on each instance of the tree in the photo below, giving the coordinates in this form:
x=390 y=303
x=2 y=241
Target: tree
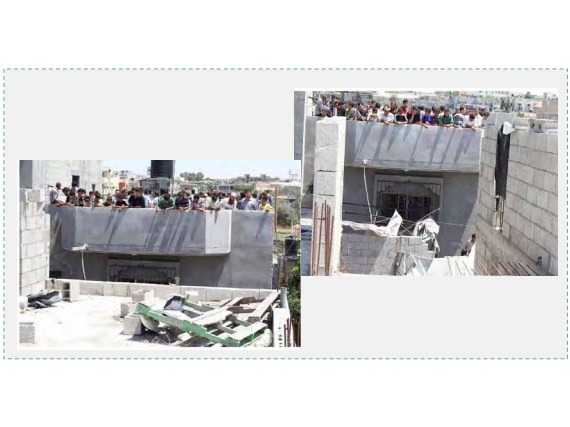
x=528 y=95
x=294 y=289
x=199 y=176
x=287 y=214
x=189 y=176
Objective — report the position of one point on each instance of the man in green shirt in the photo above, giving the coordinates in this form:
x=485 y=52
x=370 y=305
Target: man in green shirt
x=166 y=202
x=446 y=120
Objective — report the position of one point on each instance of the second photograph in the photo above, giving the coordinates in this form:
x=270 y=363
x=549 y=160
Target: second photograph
x=428 y=182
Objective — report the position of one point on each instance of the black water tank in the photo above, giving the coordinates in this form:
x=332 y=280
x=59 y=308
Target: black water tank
x=161 y=168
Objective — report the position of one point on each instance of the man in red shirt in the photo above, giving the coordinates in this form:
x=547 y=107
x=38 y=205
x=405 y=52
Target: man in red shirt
x=405 y=107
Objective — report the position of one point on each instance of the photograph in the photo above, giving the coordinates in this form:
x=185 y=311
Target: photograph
x=428 y=181
x=159 y=254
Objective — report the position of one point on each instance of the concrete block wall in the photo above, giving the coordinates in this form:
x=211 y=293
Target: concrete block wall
x=530 y=222
x=34 y=241
x=89 y=172
x=363 y=253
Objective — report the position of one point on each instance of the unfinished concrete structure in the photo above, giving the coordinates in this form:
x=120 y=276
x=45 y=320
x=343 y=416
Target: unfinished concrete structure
x=413 y=169
x=449 y=173
x=518 y=231
x=212 y=248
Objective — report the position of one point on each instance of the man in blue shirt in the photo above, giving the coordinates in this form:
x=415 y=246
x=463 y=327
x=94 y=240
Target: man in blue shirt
x=248 y=203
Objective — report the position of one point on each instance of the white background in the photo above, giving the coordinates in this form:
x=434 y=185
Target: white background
x=269 y=34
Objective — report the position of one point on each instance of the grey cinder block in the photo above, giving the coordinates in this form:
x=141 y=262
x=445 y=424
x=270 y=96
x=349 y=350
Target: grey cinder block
x=132 y=324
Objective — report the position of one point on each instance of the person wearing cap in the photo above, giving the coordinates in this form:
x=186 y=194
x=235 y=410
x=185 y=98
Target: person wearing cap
x=458 y=121
x=230 y=203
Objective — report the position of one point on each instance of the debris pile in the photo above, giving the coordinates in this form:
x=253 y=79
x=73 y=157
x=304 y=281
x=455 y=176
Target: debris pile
x=186 y=321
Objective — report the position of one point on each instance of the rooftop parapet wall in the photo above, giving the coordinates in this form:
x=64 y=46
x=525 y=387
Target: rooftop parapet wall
x=413 y=147
x=146 y=231
x=248 y=263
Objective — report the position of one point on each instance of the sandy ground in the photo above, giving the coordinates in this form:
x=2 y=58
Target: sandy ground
x=93 y=322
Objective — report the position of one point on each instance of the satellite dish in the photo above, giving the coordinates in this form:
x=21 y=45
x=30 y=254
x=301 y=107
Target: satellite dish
x=508 y=128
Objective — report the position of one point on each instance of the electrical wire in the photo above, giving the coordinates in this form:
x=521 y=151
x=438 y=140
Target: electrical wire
x=366 y=190
x=83 y=266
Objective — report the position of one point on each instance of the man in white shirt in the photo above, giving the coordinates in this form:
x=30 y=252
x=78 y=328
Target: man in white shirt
x=147 y=199
x=56 y=194
x=229 y=203
x=471 y=122
x=386 y=116
x=322 y=109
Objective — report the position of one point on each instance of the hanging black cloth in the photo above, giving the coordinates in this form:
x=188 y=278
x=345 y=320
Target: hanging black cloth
x=502 y=163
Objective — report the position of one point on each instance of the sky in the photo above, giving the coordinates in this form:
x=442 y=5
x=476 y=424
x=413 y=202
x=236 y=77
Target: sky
x=219 y=169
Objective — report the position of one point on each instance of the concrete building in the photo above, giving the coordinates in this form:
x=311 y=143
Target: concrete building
x=83 y=173
x=366 y=171
x=413 y=169
x=214 y=249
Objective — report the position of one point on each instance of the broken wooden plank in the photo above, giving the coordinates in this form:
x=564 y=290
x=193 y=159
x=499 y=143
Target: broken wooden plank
x=262 y=307
x=245 y=334
x=210 y=317
x=184 y=325
x=225 y=329
x=231 y=303
x=198 y=307
x=238 y=320
x=240 y=309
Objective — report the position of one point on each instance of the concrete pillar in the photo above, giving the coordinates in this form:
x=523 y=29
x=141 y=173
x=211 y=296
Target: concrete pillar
x=329 y=181
x=34 y=227
x=299 y=124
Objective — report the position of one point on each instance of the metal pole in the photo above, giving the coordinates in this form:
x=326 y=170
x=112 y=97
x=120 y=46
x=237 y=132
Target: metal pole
x=275 y=207
x=313 y=239
x=320 y=238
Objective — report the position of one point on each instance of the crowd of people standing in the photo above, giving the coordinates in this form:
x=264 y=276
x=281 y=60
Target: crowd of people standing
x=404 y=114
x=162 y=200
